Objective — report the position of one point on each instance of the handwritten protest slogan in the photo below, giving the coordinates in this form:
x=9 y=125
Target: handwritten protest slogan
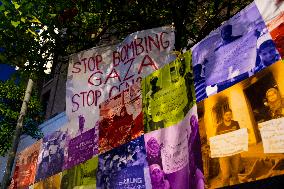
x=229 y=144
x=175 y=155
x=169 y=102
x=168 y=94
x=272 y=134
x=100 y=73
x=171 y=144
x=82 y=148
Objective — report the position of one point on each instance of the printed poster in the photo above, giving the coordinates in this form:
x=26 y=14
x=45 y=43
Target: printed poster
x=174 y=155
x=272 y=12
x=52 y=154
x=81 y=176
x=236 y=108
x=233 y=52
x=123 y=167
x=168 y=94
x=82 y=147
x=25 y=169
x=100 y=73
x=52 y=182
x=121 y=118
x=269 y=9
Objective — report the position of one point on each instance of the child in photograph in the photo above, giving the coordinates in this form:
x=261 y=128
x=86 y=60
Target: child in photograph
x=267 y=55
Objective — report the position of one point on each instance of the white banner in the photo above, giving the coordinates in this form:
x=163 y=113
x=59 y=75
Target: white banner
x=229 y=144
x=99 y=73
x=272 y=134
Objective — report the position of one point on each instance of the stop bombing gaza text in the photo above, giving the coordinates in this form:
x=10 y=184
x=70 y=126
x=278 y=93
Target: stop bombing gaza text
x=124 y=58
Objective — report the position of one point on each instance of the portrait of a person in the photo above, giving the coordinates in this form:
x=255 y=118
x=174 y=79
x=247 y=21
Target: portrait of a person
x=229 y=165
x=153 y=152
x=227 y=36
x=158 y=178
x=149 y=98
x=199 y=81
x=188 y=77
x=267 y=55
x=275 y=103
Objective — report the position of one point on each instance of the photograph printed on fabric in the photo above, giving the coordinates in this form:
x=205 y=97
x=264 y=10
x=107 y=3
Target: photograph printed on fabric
x=242 y=130
x=53 y=154
x=52 y=182
x=272 y=12
x=25 y=169
x=82 y=147
x=81 y=176
x=241 y=47
x=121 y=119
x=174 y=155
x=123 y=167
x=168 y=94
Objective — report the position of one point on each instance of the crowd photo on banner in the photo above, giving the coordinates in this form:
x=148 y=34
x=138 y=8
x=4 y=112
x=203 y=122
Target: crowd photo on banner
x=142 y=116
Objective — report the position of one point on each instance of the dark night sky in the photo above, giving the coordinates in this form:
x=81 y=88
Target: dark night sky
x=6 y=71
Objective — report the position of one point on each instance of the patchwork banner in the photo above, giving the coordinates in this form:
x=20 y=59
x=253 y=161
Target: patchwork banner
x=101 y=73
x=133 y=115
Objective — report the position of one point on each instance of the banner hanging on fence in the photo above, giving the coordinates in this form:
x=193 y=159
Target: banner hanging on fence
x=100 y=73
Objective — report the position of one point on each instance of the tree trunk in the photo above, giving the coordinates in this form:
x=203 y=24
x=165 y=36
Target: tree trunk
x=17 y=135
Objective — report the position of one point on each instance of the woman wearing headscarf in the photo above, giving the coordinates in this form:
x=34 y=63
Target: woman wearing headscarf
x=158 y=177
x=275 y=103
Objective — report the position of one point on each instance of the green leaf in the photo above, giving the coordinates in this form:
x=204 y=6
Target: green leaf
x=52 y=15
x=2 y=8
x=23 y=19
x=17 y=6
x=15 y=24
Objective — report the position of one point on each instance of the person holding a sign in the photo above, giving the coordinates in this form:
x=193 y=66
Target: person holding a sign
x=150 y=97
x=188 y=77
x=275 y=103
x=229 y=165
